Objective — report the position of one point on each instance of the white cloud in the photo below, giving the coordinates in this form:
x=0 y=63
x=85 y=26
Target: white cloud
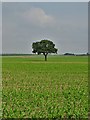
x=22 y=26
x=37 y=16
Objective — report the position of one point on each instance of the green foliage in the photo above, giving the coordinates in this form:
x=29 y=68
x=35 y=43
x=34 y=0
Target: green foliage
x=33 y=88
x=45 y=47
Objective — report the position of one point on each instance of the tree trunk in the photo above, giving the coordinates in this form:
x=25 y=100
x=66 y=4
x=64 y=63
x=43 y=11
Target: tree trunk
x=46 y=57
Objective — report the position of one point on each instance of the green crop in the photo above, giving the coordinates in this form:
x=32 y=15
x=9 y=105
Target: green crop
x=33 y=88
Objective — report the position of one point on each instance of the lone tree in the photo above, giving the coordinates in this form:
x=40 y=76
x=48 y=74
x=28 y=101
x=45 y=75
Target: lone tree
x=45 y=47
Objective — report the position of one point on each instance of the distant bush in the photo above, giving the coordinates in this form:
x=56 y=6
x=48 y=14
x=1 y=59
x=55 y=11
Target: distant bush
x=69 y=54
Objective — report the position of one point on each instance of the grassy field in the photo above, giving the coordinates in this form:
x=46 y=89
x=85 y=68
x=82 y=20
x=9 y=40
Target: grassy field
x=33 y=88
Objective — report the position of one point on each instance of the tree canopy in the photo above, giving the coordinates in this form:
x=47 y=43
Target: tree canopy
x=45 y=47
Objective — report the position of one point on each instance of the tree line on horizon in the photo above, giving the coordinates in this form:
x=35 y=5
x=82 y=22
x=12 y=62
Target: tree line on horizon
x=44 y=47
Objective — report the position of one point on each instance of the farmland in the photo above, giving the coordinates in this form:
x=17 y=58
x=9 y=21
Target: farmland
x=33 y=88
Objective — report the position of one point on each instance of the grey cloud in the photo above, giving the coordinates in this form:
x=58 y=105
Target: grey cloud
x=38 y=17
x=24 y=25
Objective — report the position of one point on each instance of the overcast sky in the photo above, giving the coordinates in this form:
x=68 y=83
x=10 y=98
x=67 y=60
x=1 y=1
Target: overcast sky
x=45 y=0
x=66 y=24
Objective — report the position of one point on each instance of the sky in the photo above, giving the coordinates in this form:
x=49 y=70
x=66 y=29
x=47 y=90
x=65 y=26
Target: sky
x=65 y=23
x=45 y=0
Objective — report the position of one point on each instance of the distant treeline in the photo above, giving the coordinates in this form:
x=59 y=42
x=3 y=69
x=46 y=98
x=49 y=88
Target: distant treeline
x=15 y=54
x=77 y=54
x=66 y=54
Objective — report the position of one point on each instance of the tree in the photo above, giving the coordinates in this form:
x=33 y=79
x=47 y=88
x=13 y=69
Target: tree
x=69 y=54
x=45 y=47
